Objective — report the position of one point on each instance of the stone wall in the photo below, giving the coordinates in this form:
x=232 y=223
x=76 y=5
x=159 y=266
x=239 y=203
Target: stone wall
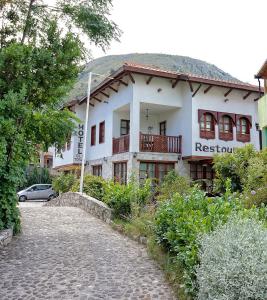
x=5 y=237
x=87 y=203
x=133 y=163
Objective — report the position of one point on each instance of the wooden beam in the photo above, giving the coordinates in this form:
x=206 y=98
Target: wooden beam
x=112 y=88
x=97 y=99
x=106 y=102
x=149 y=79
x=105 y=94
x=245 y=97
x=207 y=89
x=175 y=83
x=191 y=86
x=197 y=90
x=123 y=82
x=256 y=99
x=228 y=92
x=131 y=77
x=91 y=104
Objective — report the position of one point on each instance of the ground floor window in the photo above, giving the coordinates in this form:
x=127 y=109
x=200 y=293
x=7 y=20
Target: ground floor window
x=120 y=172
x=97 y=170
x=204 y=173
x=154 y=170
x=201 y=171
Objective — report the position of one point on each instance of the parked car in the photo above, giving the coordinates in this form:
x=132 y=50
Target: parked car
x=37 y=192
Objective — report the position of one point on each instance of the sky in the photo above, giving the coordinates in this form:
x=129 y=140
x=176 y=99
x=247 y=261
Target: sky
x=228 y=33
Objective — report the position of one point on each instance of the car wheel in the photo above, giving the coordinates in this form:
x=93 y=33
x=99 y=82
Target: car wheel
x=22 y=198
x=51 y=197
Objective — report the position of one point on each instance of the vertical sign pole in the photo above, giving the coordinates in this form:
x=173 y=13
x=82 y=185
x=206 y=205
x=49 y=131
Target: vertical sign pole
x=85 y=131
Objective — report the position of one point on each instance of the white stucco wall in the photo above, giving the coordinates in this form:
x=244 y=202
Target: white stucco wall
x=104 y=112
x=179 y=110
x=73 y=155
x=214 y=100
x=160 y=92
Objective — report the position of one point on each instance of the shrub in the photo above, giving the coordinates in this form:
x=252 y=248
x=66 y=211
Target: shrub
x=126 y=200
x=179 y=221
x=173 y=183
x=256 y=197
x=37 y=175
x=93 y=186
x=233 y=262
x=246 y=167
x=64 y=183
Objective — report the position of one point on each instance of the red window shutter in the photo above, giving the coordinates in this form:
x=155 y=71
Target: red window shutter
x=93 y=135
x=102 y=132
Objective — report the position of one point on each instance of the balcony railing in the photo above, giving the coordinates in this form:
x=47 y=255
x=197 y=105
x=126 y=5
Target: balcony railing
x=160 y=143
x=121 y=144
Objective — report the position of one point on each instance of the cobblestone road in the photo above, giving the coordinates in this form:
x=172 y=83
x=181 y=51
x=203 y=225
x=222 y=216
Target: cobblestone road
x=64 y=253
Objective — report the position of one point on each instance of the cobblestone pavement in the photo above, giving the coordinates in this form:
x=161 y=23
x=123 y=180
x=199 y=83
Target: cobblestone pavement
x=64 y=253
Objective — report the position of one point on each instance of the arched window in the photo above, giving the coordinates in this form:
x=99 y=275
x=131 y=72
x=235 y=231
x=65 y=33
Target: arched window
x=243 y=130
x=242 y=126
x=207 y=126
x=226 y=128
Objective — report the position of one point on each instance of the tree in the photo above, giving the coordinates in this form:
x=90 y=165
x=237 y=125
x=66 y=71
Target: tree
x=41 y=51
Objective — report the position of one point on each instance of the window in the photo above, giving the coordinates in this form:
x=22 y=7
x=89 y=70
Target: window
x=102 y=132
x=243 y=130
x=97 y=170
x=207 y=126
x=226 y=128
x=154 y=170
x=120 y=172
x=162 y=128
x=125 y=127
x=93 y=135
x=201 y=171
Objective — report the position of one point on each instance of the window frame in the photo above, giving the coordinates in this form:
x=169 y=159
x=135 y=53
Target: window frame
x=205 y=132
x=156 y=169
x=163 y=128
x=127 y=127
x=97 y=170
x=93 y=135
x=240 y=135
x=223 y=134
x=101 y=137
x=120 y=172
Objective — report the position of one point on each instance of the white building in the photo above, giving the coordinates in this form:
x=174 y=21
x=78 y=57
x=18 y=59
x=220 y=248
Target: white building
x=147 y=121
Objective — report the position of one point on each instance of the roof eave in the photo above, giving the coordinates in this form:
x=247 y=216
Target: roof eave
x=263 y=71
x=166 y=74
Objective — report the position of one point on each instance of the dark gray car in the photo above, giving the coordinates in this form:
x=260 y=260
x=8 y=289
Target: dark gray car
x=37 y=192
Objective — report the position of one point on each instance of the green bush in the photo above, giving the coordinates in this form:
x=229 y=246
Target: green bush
x=64 y=182
x=246 y=167
x=93 y=186
x=256 y=197
x=37 y=175
x=179 y=221
x=127 y=200
x=173 y=183
x=233 y=262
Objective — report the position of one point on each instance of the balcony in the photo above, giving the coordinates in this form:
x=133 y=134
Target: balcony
x=160 y=143
x=121 y=144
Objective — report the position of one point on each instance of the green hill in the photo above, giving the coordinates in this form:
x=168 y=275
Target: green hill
x=107 y=64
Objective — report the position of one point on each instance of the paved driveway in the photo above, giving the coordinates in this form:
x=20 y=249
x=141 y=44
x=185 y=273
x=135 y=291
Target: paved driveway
x=64 y=253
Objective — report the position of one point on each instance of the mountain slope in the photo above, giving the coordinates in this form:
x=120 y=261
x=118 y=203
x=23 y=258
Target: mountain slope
x=107 y=64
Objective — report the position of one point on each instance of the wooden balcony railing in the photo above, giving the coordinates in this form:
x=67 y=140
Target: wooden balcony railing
x=121 y=144
x=160 y=143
